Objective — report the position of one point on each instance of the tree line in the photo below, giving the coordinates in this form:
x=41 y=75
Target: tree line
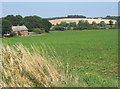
x=40 y=25
x=84 y=25
x=68 y=16
x=82 y=16
x=112 y=17
x=33 y=23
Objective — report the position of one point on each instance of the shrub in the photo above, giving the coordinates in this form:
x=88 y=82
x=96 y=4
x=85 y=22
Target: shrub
x=58 y=28
x=13 y=34
x=38 y=30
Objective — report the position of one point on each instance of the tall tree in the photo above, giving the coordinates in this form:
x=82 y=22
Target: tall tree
x=94 y=24
x=46 y=25
x=72 y=24
x=6 y=26
x=11 y=19
x=37 y=22
x=64 y=24
x=15 y=20
x=102 y=24
x=19 y=20
x=111 y=23
x=33 y=22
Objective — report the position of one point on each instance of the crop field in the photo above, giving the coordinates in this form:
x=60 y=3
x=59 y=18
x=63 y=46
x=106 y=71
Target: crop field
x=68 y=20
x=90 y=54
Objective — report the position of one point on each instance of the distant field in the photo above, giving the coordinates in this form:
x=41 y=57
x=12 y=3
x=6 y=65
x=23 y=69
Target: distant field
x=92 y=54
x=68 y=20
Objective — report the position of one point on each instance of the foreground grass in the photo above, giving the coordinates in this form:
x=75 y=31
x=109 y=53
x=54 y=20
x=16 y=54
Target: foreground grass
x=21 y=68
x=92 y=55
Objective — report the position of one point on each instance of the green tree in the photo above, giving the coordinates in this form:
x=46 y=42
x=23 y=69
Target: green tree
x=68 y=28
x=10 y=18
x=102 y=24
x=46 y=25
x=19 y=20
x=87 y=25
x=15 y=20
x=29 y=21
x=94 y=25
x=72 y=24
x=116 y=24
x=6 y=26
x=59 y=28
x=111 y=23
x=80 y=25
x=38 y=30
x=64 y=24
x=33 y=22
x=76 y=16
x=37 y=22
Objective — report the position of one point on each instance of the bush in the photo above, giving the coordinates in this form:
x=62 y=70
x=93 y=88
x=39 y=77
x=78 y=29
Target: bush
x=68 y=28
x=13 y=34
x=38 y=30
x=58 y=28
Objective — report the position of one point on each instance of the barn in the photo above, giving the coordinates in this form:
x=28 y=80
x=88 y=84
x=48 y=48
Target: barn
x=20 y=30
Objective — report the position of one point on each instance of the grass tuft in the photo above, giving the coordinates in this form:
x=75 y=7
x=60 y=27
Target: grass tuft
x=22 y=68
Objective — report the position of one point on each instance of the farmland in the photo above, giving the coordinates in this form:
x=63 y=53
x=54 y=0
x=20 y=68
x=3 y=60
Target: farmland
x=91 y=54
x=68 y=20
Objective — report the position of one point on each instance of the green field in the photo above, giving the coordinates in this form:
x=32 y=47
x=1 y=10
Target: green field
x=91 y=54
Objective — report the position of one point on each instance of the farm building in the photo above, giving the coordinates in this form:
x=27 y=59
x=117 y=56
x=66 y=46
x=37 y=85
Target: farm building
x=20 y=30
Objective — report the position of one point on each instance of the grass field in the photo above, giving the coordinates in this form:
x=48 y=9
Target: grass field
x=91 y=54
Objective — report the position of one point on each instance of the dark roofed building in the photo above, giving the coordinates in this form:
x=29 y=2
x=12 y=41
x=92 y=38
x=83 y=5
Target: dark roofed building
x=22 y=30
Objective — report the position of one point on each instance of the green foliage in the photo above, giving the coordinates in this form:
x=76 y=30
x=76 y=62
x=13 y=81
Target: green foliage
x=13 y=34
x=111 y=17
x=76 y=16
x=58 y=28
x=15 y=20
x=46 y=25
x=64 y=24
x=102 y=24
x=37 y=22
x=38 y=30
x=68 y=16
x=94 y=23
x=111 y=23
x=68 y=28
x=83 y=25
x=33 y=22
x=54 y=18
x=72 y=24
x=6 y=26
x=29 y=21
x=116 y=25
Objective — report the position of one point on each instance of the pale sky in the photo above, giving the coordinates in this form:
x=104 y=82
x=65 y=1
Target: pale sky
x=57 y=9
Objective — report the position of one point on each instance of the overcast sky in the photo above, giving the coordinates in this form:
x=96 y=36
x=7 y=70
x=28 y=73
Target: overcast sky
x=56 y=9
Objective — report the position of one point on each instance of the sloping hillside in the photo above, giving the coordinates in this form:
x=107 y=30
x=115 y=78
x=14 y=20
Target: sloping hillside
x=68 y=20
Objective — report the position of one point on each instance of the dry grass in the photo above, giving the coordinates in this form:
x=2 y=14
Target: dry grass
x=68 y=20
x=24 y=68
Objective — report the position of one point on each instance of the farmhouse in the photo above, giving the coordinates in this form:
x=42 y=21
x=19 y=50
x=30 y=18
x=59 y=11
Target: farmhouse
x=20 y=30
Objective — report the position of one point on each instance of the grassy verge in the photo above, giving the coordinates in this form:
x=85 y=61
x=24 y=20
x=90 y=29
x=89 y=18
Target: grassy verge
x=22 y=68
